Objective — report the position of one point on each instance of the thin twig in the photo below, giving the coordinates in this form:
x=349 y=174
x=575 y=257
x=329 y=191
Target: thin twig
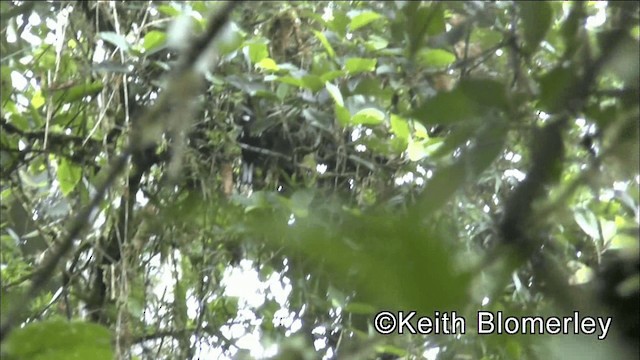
x=264 y=151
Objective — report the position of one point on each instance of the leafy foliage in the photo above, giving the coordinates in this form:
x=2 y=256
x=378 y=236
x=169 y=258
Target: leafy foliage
x=210 y=180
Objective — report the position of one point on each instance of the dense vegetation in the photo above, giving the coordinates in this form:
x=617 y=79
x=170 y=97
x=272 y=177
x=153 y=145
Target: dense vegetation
x=252 y=180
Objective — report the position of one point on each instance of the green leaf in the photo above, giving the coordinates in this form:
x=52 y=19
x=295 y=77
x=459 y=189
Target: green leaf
x=312 y=82
x=153 y=40
x=581 y=273
x=419 y=131
x=37 y=101
x=447 y=180
x=416 y=151
x=368 y=116
x=180 y=303
x=78 y=92
x=335 y=93
x=536 y=20
x=258 y=200
x=436 y=19
x=445 y=108
x=15 y=117
x=469 y=99
x=59 y=340
x=46 y=57
x=8 y=299
x=486 y=38
x=626 y=242
x=435 y=58
x=587 y=222
x=376 y=43
x=325 y=43
x=385 y=248
x=257 y=50
x=282 y=91
x=342 y=114
x=202 y=7
x=420 y=21
x=458 y=136
x=339 y=23
x=331 y=75
x=322 y=64
x=118 y=40
x=6 y=83
x=397 y=146
x=360 y=308
x=363 y=19
x=300 y=201
x=369 y=86
x=69 y=176
x=358 y=65
x=290 y=80
x=400 y=127
x=554 y=86
x=624 y=63
x=486 y=93
x=230 y=40
x=268 y=64
x=168 y=10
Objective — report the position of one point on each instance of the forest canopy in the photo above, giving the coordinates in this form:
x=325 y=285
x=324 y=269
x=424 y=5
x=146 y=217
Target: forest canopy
x=302 y=180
